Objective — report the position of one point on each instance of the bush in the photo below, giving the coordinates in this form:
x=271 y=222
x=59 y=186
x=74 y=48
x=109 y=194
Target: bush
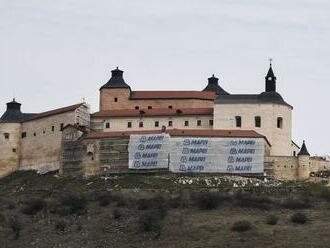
x=296 y=203
x=60 y=225
x=10 y=205
x=74 y=204
x=144 y=204
x=156 y=203
x=34 y=206
x=241 y=226
x=104 y=199
x=208 y=200
x=120 y=200
x=299 y=218
x=174 y=202
x=318 y=190
x=15 y=226
x=116 y=214
x=249 y=201
x=272 y=220
x=150 y=221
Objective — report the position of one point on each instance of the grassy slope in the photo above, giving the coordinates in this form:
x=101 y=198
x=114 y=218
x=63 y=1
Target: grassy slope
x=185 y=226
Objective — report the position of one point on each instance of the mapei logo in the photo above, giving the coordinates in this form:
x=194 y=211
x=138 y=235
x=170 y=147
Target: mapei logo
x=230 y=168
x=183 y=159
x=233 y=151
x=233 y=143
x=137 y=155
x=141 y=147
x=143 y=139
x=185 y=151
x=182 y=167
x=231 y=159
x=136 y=164
x=186 y=142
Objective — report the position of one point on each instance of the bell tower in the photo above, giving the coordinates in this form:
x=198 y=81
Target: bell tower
x=270 y=79
x=115 y=93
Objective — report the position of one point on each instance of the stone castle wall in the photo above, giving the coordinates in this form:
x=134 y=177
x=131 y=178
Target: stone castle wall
x=279 y=138
x=107 y=101
x=120 y=124
x=9 y=147
x=295 y=168
x=41 y=148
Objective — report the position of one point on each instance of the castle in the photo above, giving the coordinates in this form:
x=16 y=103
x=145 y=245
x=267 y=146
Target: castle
x=48 y=140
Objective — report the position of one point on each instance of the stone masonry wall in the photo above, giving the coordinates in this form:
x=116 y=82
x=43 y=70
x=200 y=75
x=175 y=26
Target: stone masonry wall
x=107 y=101
x=120 y=124
x=282 y=167
x=41 y=148
x=279 y=138
x=10 y=147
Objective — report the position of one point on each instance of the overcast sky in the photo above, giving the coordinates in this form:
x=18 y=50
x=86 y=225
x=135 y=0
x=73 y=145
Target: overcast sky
x=55 y=53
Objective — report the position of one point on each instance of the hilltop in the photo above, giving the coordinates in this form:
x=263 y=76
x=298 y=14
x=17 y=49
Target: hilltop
x=161 y=210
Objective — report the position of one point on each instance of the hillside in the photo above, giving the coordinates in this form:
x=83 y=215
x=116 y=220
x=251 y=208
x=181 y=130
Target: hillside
x=161 y=210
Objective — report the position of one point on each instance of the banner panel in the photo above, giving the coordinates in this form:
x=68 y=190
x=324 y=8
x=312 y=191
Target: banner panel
x=217 y=155
x=148 y=151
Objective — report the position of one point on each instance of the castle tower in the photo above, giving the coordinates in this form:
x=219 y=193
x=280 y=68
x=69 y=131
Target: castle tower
x=10 y=134
x=270 y=80
x=303 y=163
x=115 y=93
x=213 y=85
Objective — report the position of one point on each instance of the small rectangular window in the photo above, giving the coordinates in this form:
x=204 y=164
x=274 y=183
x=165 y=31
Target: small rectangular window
x=141 y=124
x=107 y=125
x=14 y=150
x=149 y=107
x=115 y=99
x=129 y=124
x=137 y=107
x=211 y=122
x=279 y=122
x=23 y=135
x=199 y=123
x=170 y=123
x=43 y=131
x=6 y=135
x=238 y=120
x=156 y=123
x=53 y=128
x=170 y=107
x=62 y=126
x=186 y=123
x=257 y=121
x=34 y=134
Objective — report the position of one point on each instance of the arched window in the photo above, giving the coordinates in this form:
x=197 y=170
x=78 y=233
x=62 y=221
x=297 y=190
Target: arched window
x=257 y=121
x=280 y=122
x=238 y=120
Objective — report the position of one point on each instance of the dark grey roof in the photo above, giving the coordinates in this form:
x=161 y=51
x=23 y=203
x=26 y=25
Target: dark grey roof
x=213 y=85
x=116 y=80
x=270 y=73
x=303 y=150
x=264 y=97
x=13 y=113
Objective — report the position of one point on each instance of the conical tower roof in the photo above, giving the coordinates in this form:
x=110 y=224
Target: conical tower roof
x=13 y=113
x=116 y=80
x=213 y=85
x=303 y=150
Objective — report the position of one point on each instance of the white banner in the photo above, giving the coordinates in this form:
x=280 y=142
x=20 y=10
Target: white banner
x=148 y=151
x=217 y=155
